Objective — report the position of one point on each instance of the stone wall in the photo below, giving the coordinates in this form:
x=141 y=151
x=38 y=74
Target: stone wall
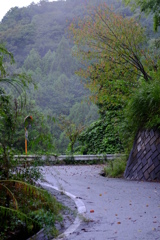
x=144 y=159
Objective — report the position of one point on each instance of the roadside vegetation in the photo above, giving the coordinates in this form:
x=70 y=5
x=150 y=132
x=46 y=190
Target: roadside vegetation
x=115 y=58
x=122 y=72
x=24 y=208
x=43 y=50
x=115 y=168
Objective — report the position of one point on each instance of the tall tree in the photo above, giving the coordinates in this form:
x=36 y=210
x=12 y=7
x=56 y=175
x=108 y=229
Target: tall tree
x=110 y=47
x=64 y=60
x=14 y=79
x=148 y=6
x=8 y=114
x=71 y=130
x=33 y=60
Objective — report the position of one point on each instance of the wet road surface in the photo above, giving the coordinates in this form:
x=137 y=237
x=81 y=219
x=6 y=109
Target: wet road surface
x=116 y=208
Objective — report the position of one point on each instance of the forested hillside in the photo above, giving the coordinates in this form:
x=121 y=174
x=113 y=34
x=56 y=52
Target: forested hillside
x=38 y=37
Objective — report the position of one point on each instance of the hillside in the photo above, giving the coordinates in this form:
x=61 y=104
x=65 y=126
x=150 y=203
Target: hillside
x=37 y=35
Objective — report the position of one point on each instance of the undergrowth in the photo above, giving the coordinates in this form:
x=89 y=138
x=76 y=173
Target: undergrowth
x=25 y=209
x=115 y=168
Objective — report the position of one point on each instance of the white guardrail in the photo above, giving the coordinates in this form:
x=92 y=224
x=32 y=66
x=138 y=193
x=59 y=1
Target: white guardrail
x=52 y=158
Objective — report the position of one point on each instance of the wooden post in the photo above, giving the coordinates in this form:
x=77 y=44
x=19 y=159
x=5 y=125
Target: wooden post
x=26 y=123
x=25 y=141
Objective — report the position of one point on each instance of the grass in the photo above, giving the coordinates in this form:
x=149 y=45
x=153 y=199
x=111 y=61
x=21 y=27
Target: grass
x=25 y=209
x=115 y=168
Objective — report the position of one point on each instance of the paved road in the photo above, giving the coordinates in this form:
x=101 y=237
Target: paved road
x=123 y=210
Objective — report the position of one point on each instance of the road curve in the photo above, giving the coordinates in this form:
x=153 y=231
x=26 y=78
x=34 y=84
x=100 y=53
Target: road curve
x=117 y=209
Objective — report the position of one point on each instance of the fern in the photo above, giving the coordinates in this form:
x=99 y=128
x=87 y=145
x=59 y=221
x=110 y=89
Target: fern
x=4 y=211
x=36 y=210
x=11 y=195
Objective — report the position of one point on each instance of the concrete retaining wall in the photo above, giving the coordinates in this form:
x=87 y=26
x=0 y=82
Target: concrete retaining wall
x=144 y=159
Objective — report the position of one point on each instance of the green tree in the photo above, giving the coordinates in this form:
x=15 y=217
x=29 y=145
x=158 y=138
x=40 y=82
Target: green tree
x=40 y=138
x=142 y=110
x=83 y=113
x=33 y=61
x=48 y=62
x=8 y=112
x=64 y=60
x=111 y=47
x=8 y=119
x=71 y=130
x=8 y=77
x=148 y=6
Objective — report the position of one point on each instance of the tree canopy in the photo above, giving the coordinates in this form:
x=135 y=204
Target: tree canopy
x=110 y=47
x=37 y=36
x=148 y=6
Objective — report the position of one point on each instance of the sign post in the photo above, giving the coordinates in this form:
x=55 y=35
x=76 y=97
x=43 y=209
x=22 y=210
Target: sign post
x=27 y=121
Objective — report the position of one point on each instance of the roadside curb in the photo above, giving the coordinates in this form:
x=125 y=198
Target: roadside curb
x=80 y=208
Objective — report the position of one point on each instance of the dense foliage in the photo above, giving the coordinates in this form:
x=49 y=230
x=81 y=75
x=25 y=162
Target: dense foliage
x=37 y=35
x=116 y=57
x=22 y=216
x=121 y=75
x=112 y=45
x=24 y=208
x=102 y=136
x=148 y=6
x=142 y=110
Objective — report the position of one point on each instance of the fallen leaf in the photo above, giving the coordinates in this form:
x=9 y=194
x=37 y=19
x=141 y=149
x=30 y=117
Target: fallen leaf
x=118 y=222
x=92 y=211
x=146 y=205
x=100 y=195
x=116 y=214
x=83 y=229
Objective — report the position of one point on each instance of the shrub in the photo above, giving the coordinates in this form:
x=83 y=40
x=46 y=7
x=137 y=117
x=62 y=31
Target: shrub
x=23 y=216
x=102 y=136
x=115 y=168
x=142 y=110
